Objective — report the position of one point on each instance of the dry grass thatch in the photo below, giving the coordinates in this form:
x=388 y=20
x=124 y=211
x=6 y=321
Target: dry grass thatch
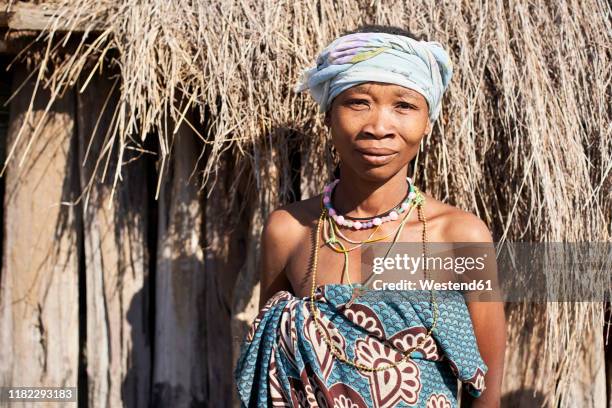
x=523 y=140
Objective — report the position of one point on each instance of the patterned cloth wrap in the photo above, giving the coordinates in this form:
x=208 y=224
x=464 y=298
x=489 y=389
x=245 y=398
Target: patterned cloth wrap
x=379 y=57
x=284 y=362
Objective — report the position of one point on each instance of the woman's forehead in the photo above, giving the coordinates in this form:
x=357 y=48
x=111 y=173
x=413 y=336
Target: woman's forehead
x=381 y=87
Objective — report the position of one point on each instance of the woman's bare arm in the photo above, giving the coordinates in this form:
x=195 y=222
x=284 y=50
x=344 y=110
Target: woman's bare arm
x=488 y=318
x=276 y=248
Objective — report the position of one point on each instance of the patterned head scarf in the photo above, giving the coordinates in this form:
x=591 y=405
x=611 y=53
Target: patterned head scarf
x=423 y=66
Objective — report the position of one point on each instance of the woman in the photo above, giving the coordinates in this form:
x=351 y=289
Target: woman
x=319 y=341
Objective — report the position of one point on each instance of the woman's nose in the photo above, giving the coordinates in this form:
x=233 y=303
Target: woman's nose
x=379 y=123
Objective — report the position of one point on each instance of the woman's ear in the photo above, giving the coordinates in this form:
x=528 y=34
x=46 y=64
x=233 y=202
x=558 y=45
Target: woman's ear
x=326 y=120
x=428 y=128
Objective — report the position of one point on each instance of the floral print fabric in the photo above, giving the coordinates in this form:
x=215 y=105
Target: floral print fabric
x=284 y=361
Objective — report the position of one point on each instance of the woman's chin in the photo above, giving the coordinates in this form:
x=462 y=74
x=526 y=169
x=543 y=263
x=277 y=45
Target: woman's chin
x=377 y=173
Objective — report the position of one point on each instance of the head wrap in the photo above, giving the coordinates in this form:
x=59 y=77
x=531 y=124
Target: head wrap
x=423 y=66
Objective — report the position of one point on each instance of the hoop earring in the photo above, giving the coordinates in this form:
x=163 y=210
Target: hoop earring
x=416 y=161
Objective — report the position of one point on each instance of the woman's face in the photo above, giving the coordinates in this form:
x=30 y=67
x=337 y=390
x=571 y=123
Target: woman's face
x=377 y=128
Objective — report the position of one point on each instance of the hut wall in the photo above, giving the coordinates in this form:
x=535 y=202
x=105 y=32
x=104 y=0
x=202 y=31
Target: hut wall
x=181 y=350
x=39 y=287
x=117 y=337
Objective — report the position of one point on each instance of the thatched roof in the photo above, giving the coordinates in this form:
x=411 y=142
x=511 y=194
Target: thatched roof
x=524 y=139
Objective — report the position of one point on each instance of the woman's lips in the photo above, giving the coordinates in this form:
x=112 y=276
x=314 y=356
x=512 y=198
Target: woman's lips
x=376 y=158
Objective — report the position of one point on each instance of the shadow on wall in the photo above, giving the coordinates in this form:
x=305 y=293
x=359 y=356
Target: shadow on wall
x=523 y=398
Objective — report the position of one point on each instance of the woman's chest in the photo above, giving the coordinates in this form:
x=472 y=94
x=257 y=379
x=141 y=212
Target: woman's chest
x=357 y=263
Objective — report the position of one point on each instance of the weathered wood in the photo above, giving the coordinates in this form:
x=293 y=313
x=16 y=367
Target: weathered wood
x=28 y=16
x=39 y=324
x=180 y=372
x=246 y=291
x=226 y=243
x=116 y=263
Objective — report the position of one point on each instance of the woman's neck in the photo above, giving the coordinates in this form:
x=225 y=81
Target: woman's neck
x=356 y=197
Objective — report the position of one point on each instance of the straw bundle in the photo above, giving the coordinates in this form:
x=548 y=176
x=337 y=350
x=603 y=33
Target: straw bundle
x=523 y=141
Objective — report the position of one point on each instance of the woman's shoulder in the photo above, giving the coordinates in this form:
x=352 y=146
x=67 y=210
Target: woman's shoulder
x=454 y=224
x=294 y=219
x=285 y=229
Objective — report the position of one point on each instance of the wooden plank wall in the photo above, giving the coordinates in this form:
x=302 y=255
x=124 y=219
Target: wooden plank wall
x=39 y=313
x=112 y=298
x=118 y=349
x=180 y=361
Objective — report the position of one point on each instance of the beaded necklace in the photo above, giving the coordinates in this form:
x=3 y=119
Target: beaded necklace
x=367 y=222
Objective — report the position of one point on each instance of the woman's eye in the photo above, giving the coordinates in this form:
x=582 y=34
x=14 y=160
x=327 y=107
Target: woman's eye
x=357 y=102
x=405 y=106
